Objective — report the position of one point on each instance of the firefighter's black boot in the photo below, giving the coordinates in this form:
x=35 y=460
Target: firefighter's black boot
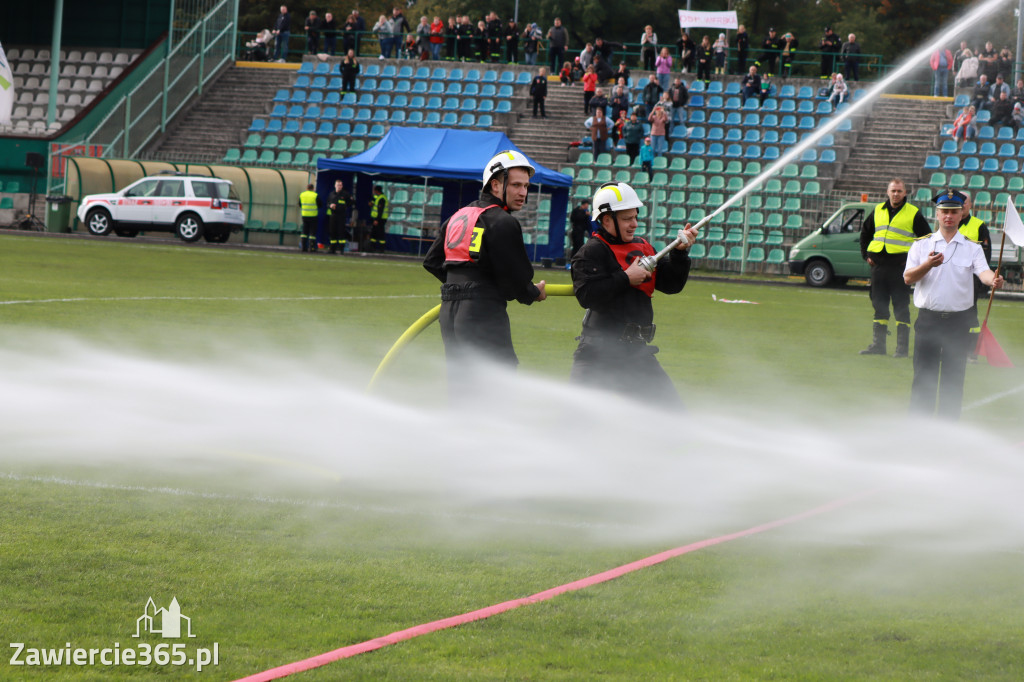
x=902 y=340
x=877 y=346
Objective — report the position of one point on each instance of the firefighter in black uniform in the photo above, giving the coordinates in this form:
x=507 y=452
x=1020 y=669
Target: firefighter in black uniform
x=338 y=204
x=379 y=212
x=885 y=240
x=771 y=48
x=480 y=258
x=976 y=229
x=615 y=350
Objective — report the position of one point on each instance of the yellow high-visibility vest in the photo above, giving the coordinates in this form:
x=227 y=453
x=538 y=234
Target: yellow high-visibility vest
x=895 y=234
x=972 y=228
x=380 y=207
x=307 y=200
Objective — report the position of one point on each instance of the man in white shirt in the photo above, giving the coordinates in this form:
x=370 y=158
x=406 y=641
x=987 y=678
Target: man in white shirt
x=942 y=266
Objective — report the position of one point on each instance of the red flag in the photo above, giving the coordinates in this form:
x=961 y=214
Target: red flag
x=991 y=350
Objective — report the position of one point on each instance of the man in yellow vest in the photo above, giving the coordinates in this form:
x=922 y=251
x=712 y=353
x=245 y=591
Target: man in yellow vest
x=885 y=240
x=975 y=229
x=379 y=212
x=309 y=206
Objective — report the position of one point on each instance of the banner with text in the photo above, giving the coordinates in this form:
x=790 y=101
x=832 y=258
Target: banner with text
x=721 y=20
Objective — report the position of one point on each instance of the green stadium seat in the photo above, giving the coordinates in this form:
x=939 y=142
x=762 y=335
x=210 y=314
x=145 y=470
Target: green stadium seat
x=716 y=253
x=233 y=156
x=776 y=257
x=755 y=256
x=793 y=222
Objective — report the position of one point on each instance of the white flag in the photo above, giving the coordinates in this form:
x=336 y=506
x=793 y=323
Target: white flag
x=1012 y=225
x=6 y=89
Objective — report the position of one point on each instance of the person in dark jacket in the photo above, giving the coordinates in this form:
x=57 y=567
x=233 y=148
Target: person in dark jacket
x=349 y=71
x=615 y=351
x=885 y=239
x=539 y=90
x=830 y=45
x=339 y=203
x=742 y=48
x=282 y=32
x=770 y=49
x=633 y=135
x=482 y=263
x=579 y=219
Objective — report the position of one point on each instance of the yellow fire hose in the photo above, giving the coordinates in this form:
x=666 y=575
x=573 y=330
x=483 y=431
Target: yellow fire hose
x=426 y=320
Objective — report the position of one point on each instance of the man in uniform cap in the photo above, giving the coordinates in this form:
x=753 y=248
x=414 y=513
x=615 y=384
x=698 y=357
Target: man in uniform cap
x=942 y=266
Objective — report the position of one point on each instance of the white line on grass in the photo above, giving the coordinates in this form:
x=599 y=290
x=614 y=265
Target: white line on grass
x=993 y=398
x=319 y=504
x=237 y=299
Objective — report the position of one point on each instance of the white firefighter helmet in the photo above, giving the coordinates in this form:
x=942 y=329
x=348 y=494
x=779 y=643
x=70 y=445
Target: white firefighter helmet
x=612 y=197
x=502 y=161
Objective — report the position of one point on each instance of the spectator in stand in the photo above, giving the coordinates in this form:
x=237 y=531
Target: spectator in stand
x=384 y=29
x=622 y=73
x=1005 y=61
x=769 y=56
x=721 y=48
x=539 y=90
x=531 y=43
x=850 y=53
x=577 y=71
x=687 y=51
x=330 y=31
x=830 y=44
x=1018 y=114
x=705 y=58
x=602 y=68
x=423 y=39
x=399 y=27
x=659 y=123
x=1002 y=111
x=941 y=61
x=587 y=55
x=482 y=45
x=789 y=45
x=751 y=84
x=647 y=156
x=598 y=101
x=606 y=49
x=599 y=131
x=665 y=104
x=467 y=39
x=495 y=37
x=964 y=125
x=742 y=48
x=565 y=75
x=680 y=98
x=968 y=71
x=436 y=38
x=650 y=94
x=982 y=89
x=632 y=136
x=1017 y=94
x=663 y=66
x=360 y=28
x=282 y=32
x=313 y=26
x=349 y=71
x=451 y=39
x=839 y=91
x=988 y=61
x=620 y=101
x=619 y=123
x=348 y=36
x=589 y=87
x=998 y=88
x=648 y=47
x=959 y=55
x=512 y=41
x=558 y=41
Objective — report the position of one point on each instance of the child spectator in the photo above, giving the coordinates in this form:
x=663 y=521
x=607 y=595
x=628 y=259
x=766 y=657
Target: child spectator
x=840 y=91
x=647 y=156
x=565 y=75
x=589 y=87
x=964 y=125
x=721 y=48
x=659 y=124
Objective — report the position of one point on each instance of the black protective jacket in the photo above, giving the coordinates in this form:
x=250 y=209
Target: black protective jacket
x=502 y=265
x=602 y=287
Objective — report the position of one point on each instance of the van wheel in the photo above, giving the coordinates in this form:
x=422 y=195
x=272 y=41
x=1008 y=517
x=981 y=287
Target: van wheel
x=819 y=273
x=189 y=227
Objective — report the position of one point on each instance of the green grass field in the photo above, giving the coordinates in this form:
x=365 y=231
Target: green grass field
x=192 y=423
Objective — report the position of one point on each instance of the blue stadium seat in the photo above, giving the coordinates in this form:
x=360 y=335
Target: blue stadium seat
x=972 y=164
x=291 y=126
x=360 y=130
x=1005 y=133
x=714 y=88
x=733 y=135
x=807 y=123
x=732 y=88
x=932 y=161
x=752 y=136
x=451 y=104
x=770 y=121
x=678 y=147
x=824 y=109
x=986 y=133
x=504 y=107
x=788 y=121
x=505 y=91
x=308 y=128
x=489 y=76
x=473 y=75
x=301 y=82
x=450 y=120
x=467 y=121
x=770 y=153
x=733 y=103
x=1010 y=166
x=507 y=77
x=319 y=83
x=715 y=149
x=322 y=69
x=696 y=101
x=697 y=133
x=484 y=121
x=312 y=111
x=788 y=106
x=805 y=107
x=696 y=149
x=326 y=129
x=454 y=75
x=733 y=119
x=388 y=71
x=298 y=97
x=716 y=118
x=363 y=115
x=368 y=84
x=453 y=89
x=805 y=92
x=438 y=74
x=809 y=156
x=386 y=85
x=471 y=90
x=258 y=125
x=715 y=102
x=827 y=156
x=734 y=151
x=379 y=116
x=306 y=68
x=1007 y=149
x=789 y=138
x=377 y=130
x=403 y=86
x=716 y=133
x=275 y=125
x=524 y=78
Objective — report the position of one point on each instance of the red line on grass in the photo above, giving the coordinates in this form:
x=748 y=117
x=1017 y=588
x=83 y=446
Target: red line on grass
x=487 y=612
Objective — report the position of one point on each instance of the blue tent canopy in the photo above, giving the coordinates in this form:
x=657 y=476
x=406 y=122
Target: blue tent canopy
x=449 y=158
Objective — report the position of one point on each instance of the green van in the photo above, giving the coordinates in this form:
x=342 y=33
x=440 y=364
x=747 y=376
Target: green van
x=831 y=254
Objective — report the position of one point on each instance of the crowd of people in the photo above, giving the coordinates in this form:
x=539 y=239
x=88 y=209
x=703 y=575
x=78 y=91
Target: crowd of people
x=489 y=39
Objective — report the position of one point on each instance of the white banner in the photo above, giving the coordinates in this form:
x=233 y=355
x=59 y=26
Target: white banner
x=721 y=20
x=6 y=89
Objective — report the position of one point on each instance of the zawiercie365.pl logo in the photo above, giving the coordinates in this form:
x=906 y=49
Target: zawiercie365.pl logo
x=167 y=623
